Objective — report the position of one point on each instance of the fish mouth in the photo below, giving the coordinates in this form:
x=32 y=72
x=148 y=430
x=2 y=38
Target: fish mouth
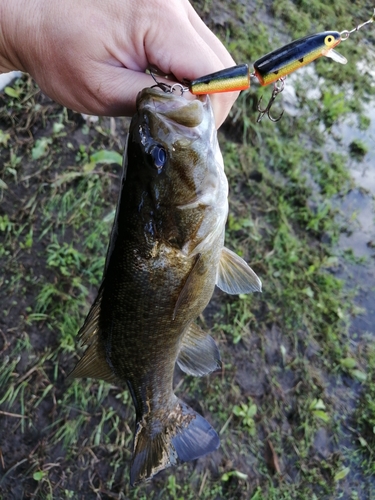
x=189 y=113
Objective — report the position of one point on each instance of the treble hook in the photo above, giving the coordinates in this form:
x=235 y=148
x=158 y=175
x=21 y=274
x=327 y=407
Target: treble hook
x=277 y=89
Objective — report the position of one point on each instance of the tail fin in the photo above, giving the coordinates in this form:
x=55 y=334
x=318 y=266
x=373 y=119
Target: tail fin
x=184 y=435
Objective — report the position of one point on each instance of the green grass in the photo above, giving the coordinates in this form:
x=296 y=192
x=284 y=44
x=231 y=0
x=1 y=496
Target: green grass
x=294 y=403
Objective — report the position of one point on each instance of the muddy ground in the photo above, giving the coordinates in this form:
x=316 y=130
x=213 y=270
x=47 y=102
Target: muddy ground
x=293 y=403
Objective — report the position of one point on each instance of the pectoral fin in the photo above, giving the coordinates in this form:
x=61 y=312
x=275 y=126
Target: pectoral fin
x=234 y=276
x=336 y=56
x=93 y=363
x=199 y=354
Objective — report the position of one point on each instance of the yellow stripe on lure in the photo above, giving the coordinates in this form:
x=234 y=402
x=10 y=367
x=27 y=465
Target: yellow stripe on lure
x=226 y=80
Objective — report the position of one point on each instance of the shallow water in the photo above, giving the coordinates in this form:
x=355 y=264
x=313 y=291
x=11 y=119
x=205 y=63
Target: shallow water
x=358 y=206
x=363 y=172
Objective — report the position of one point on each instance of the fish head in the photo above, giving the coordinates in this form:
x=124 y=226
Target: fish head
x=176 y=166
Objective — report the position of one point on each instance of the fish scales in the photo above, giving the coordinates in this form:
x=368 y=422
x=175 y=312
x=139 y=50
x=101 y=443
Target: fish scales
x=165 y=256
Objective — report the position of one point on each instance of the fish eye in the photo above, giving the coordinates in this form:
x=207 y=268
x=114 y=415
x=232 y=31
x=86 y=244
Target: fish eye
x=159 y=155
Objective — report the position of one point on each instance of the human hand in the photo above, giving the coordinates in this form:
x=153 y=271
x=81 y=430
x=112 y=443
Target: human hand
x=91 y=55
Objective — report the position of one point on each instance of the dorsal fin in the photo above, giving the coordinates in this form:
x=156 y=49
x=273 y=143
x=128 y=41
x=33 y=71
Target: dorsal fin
x=199 y=353
x=90 y=327
x=234 y=276
x=93 y=363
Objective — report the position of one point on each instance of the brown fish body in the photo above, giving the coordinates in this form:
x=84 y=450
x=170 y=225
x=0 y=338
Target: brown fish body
x=165 y=256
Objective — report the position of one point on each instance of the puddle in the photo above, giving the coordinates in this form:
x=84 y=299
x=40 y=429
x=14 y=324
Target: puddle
x=360 y=203
x=359 y=208
x=363 y=172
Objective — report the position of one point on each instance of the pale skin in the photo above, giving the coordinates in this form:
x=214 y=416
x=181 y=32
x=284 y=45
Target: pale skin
x=91 y=55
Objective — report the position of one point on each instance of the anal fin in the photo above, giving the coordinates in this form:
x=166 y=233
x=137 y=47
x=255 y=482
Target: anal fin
x=234 y=276
x=199 y=353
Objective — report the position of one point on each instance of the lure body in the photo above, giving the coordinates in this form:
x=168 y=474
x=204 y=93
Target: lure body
x=226 y=80
x=283 y=61
x=272 y=66
x=275 y=66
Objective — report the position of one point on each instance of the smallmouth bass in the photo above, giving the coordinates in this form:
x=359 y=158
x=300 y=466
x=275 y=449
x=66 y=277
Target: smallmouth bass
x=166 y=254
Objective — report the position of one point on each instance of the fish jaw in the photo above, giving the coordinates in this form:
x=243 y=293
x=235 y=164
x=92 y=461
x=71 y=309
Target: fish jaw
x=188 y=113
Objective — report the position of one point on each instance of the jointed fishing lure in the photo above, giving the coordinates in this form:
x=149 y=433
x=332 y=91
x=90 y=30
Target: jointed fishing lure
x=275 y=66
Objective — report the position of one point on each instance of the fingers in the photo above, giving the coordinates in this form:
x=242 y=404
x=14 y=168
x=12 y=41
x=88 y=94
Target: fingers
x=175 y=40
x=95 y=63
x=114 y=90
x=116 y=95
x=111 y=92
x=122 y=88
